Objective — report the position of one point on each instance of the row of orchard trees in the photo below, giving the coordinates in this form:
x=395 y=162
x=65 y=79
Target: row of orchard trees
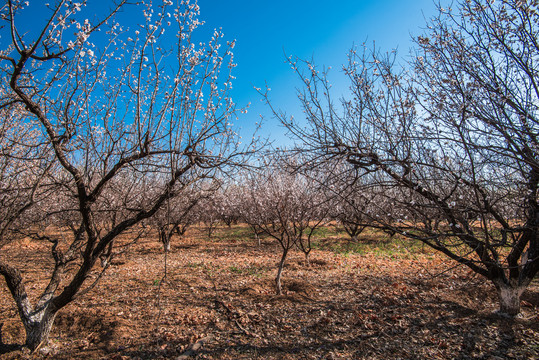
x=288 y=206
x=109 y=130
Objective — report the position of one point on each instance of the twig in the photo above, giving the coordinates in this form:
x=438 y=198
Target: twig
x=245 y=331
x=225 y=306
x=163 y=279
x=234 y=314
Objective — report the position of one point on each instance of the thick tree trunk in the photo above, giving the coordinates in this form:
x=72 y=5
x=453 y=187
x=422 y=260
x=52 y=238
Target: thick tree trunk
x=37 y=320
x=509 y=297
x=38 y=328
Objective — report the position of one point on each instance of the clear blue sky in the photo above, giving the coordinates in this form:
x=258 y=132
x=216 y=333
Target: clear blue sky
x=316 y=29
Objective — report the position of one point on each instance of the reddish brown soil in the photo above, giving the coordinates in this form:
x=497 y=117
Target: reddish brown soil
x=219 y=295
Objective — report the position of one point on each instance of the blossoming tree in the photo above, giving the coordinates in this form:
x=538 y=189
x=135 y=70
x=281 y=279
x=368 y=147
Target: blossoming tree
x=117 y=108
x=453 y=140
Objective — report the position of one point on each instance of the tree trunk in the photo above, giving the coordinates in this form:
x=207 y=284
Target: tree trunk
x=211 y=228
x=38 y=327
x=278 y=287
x=164 y=237
x=307 y=259
x=166 y=246
x=106 y=257
x=509 y=297
x=37 y=320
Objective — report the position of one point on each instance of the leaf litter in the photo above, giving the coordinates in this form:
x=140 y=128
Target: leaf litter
x=217 y=302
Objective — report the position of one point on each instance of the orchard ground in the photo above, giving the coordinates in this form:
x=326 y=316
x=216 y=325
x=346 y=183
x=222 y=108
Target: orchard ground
x=379 y=298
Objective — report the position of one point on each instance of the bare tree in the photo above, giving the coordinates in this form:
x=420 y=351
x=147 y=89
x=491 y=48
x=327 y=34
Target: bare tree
x=140 y=106
x=208 y=210
x=355 y=200
x=178 y=214
x=452 y=140
x=313 y=206
x=220 y=205
x=249 y=207
x=230 y=203
x=282 y=206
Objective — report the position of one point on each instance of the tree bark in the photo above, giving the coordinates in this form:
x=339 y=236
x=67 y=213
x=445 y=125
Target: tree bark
x=307 y=259
x=278 y=287
x=38 y=327
x=509 y=297
x=166 y=246
x=257 y=238
x=37 y=320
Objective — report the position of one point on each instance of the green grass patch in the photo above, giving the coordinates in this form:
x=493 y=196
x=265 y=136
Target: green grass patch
x=334 y=238
x=372 y=241
x=234 y=233
x=324 y=232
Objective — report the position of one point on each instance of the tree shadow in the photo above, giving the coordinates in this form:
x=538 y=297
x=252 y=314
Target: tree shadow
x=9 y=348
x=531 y=296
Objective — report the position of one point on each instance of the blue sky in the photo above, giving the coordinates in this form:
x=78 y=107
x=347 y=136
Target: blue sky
x=321 y=30
x=317 y=29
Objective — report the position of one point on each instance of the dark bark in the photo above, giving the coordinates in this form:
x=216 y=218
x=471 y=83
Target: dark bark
x=38 y=320
x=39 y=327
x=278 y=286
